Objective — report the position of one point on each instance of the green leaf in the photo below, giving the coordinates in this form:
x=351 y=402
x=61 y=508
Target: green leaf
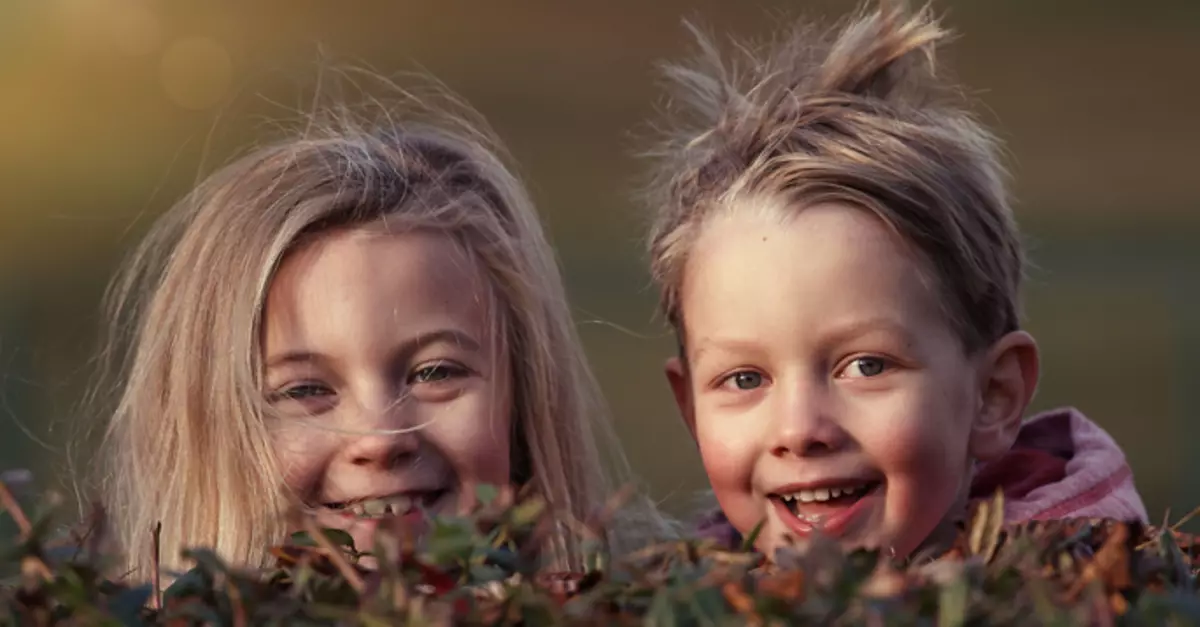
x=502 y=558
x=337 y=537
x=486 y=493
x=662 y=611
x=127 y=605
x=206 y=559
x=450 y=542
x=481 y=573
x=528 y=513
x=952 y=611
x=194 y=581
x=752 y=537
x=1177 y=563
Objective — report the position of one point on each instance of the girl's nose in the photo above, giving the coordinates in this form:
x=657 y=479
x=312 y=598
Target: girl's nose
x=383 y=436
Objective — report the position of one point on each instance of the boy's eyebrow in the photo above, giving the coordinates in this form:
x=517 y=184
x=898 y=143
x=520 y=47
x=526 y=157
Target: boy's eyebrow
x=449 y=336
x=840 y=333
x=863 y=326
x=732 y=344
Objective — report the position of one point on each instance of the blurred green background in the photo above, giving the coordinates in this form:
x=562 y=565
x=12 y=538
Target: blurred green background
x=111 y=109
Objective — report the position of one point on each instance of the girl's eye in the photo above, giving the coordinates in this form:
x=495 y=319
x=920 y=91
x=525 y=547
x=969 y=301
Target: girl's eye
x=301 y=392
x=745 y=379
x=435 y=373
x=865 y=367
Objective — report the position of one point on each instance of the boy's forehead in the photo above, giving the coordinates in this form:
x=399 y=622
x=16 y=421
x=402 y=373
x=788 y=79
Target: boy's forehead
x=826 y=265
x=828 y=238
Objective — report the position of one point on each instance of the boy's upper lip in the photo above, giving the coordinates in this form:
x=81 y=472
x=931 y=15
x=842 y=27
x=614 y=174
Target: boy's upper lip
x=826 y=482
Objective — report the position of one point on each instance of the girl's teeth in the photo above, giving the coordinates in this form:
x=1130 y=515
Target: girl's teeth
x=376 y=508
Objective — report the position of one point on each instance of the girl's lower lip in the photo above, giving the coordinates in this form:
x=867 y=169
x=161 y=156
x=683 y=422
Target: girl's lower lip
x=834 y=525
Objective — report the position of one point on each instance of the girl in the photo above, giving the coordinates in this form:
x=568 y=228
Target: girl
x=360 y=319
x=877 y=383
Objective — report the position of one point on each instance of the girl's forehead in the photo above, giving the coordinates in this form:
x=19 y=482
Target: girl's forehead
x=352 y=286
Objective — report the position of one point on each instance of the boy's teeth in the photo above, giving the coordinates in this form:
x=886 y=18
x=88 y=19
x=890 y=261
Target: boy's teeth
x=821 y=495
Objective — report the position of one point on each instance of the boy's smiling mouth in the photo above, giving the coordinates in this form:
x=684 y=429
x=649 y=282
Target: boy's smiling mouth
x=829 y=507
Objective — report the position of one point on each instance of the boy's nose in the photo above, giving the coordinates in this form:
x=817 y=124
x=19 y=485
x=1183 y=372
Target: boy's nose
x=805 y=426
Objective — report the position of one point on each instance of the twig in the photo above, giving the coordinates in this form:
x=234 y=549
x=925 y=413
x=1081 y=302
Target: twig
x=1190 y=515
x=14 y=509
x=235 y=598
x=155 y=538
x=335 y=555
x=1167 y=527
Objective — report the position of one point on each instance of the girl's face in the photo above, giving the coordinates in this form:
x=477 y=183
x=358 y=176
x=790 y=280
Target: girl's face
x=371 y=331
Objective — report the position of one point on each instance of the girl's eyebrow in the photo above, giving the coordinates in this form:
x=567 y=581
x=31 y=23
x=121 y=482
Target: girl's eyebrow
x=409 y=347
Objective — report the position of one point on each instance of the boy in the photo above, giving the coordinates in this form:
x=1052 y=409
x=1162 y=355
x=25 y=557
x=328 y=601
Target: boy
x=838 y=257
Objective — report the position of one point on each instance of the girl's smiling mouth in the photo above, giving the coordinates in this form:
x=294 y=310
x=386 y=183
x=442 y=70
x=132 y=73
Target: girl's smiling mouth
x=396 y=504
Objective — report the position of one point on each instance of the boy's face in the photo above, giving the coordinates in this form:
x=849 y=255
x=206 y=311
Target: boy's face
x=824 y=386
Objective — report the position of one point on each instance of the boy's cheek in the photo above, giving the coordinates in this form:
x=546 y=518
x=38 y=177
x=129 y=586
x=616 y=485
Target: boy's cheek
x=728 y=446
x=730 y=473
x=729 y=462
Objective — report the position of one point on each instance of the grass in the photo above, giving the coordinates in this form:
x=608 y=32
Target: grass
x=481 y=569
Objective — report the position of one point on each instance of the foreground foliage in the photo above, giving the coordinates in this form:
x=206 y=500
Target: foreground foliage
x=477 y=570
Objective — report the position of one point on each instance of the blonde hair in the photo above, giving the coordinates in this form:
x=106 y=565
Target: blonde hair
x=187 y=446
x=855 y=115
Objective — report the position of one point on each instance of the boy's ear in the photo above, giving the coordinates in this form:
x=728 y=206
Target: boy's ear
x=1009 y=377
x=681 y=387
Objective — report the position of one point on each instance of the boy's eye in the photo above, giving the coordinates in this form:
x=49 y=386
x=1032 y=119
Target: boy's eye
x=745 y=380
x=434 y=373
x=865 y=367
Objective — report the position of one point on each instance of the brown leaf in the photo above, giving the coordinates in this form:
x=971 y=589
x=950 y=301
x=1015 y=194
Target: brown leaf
x=885 y=582
x=736 y=596
x=1118 y=603
x=984 y=533
x=1110 y=565
x=787 y=585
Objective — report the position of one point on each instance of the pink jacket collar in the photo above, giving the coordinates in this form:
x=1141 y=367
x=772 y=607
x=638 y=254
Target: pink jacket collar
x=1062 y=466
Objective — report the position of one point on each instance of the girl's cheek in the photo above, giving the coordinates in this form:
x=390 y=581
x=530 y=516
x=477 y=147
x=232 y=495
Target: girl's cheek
x=474 y=433
x=300 y=459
